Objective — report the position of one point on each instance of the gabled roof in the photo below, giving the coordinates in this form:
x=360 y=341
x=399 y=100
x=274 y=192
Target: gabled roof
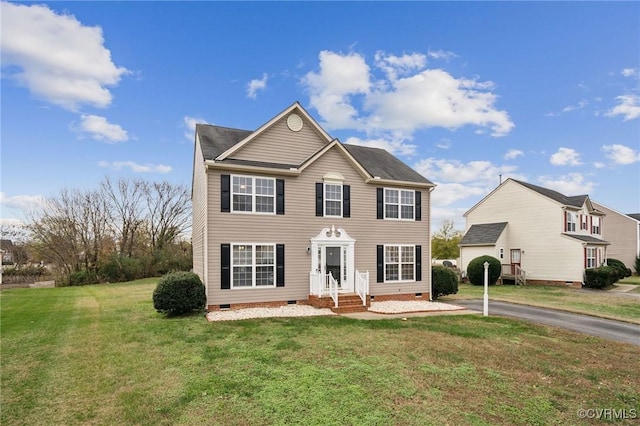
x=373 y=163
x=380 y=163
x=635 y=216
x=574 y=201
x=483 y=234
x=587 y=239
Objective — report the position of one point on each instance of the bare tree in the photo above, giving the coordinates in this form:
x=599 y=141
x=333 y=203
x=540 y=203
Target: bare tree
x=168 y=208
x=126 y=214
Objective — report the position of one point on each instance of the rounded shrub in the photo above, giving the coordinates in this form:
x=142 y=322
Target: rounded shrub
x=475 y=270
x=179 y=293
x=443 y=281
x=600 y=277
x=621 y=269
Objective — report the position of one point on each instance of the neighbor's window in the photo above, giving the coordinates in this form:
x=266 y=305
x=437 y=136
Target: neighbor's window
x=253 y=194
x=333 y=199
x=571 y=222
x=399 y=263
x=253 y=265
x=595 y=225
x=591 y=257
x=584 y=222
x=399 y=204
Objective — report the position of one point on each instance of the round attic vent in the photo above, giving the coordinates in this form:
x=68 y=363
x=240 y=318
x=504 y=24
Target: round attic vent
x=294 y=122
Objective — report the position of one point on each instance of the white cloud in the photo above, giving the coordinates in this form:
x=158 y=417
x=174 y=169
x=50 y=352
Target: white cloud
x=599 y=165
x=571 y=184
x=135 y=167
x=630 y=72
x=621 y=154
x=56 y=57
x=397 y=147
x=100 y=129
x=628 y=107
x=444 y=144
x=441 y=54
x=565 y=157
x=512 y=154
x=583 y=103
x=21 y=202
x=406 y=99
x=190 y=126
x=255 y=85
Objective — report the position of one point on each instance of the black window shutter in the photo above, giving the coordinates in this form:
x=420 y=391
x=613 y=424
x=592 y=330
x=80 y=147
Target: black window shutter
x=279 y=265
x=279 y=196
x=319 y=199
x=225 y=261
x=225 y=193
x=418 y=263
x=380 y=264
x=346 y=201
x=418 y=205
x=380 y=203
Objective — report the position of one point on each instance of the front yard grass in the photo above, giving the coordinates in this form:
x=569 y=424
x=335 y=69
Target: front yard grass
x=592 y=302
x=101 y=355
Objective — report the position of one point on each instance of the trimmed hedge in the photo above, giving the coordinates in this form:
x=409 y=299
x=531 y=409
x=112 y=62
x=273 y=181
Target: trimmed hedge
x=621 y=269
x=443 y=281
x=179 y=293
x=475 y=270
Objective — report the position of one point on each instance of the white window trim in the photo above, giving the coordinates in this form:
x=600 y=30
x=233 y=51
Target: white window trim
x=400 y=263
x=253 y=195
x=399 y=204
x=253 y=266
x=571 y=220
x=325 y=198
x=591 y=257
x=594 y=226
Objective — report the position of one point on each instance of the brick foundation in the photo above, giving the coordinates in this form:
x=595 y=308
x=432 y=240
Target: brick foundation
x=574 y=284
x=400 y=297
x=273 y=304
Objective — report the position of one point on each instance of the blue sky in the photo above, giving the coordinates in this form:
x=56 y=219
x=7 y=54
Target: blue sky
x=547 y=92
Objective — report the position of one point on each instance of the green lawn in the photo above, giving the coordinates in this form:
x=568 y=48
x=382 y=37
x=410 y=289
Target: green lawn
x=596 y=302
x=101 y=355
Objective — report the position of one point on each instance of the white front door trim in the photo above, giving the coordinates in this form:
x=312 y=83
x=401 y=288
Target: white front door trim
x=332 y=237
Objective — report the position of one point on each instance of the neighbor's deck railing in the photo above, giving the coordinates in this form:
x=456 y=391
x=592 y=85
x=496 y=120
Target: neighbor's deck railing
x=362 y=286
x=514 y=272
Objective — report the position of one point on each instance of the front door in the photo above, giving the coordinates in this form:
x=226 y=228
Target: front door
x=333 y=263
x=515 y=259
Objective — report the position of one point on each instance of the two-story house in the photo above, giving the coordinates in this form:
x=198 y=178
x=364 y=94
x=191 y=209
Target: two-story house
x=623 y=232
x=552 y=237
x=287 y=214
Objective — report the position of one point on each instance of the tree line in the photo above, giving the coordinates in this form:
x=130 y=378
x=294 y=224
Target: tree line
x=119 y=231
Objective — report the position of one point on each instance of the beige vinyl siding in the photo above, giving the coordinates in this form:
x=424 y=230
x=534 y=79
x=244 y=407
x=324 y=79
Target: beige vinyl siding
x=622 y=232
x=199 y=203
x=299 y=224
x=279 y=144
x=535 y=225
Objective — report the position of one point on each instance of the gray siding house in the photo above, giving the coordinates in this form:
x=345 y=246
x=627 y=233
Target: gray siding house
x=287 y=214
x=623 y=232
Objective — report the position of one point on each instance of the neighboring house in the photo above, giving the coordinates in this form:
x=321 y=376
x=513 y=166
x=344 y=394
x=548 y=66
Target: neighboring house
x=288 y=214
x=552 y=237
x=6 y=248
x=623 y=232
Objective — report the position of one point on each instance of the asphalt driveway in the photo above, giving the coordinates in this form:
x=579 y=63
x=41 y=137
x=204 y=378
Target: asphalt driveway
x=608 y=329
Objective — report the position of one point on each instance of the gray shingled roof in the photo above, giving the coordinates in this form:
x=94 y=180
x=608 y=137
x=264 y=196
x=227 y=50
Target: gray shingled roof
x=635 y=216
x=483 y=234
x=587 y=239
x=215 y=140
x=574 y=201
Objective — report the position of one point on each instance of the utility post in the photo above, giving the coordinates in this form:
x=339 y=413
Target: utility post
x=486 y=289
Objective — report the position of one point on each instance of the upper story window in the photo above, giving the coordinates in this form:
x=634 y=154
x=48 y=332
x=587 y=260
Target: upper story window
x=399 y=204
x=571 y=222
x=595 y=225
x=333 y=199
x=584 y=222
x=253 y=194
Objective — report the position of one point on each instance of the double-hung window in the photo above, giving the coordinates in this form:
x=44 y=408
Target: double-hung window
x=571 y=222
x=399 y=204
x=333 y=199
x=253 y=265
x=584 y=222
x=399 y=263
x=590 y=257
x=253 y=194
x=595 y=225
